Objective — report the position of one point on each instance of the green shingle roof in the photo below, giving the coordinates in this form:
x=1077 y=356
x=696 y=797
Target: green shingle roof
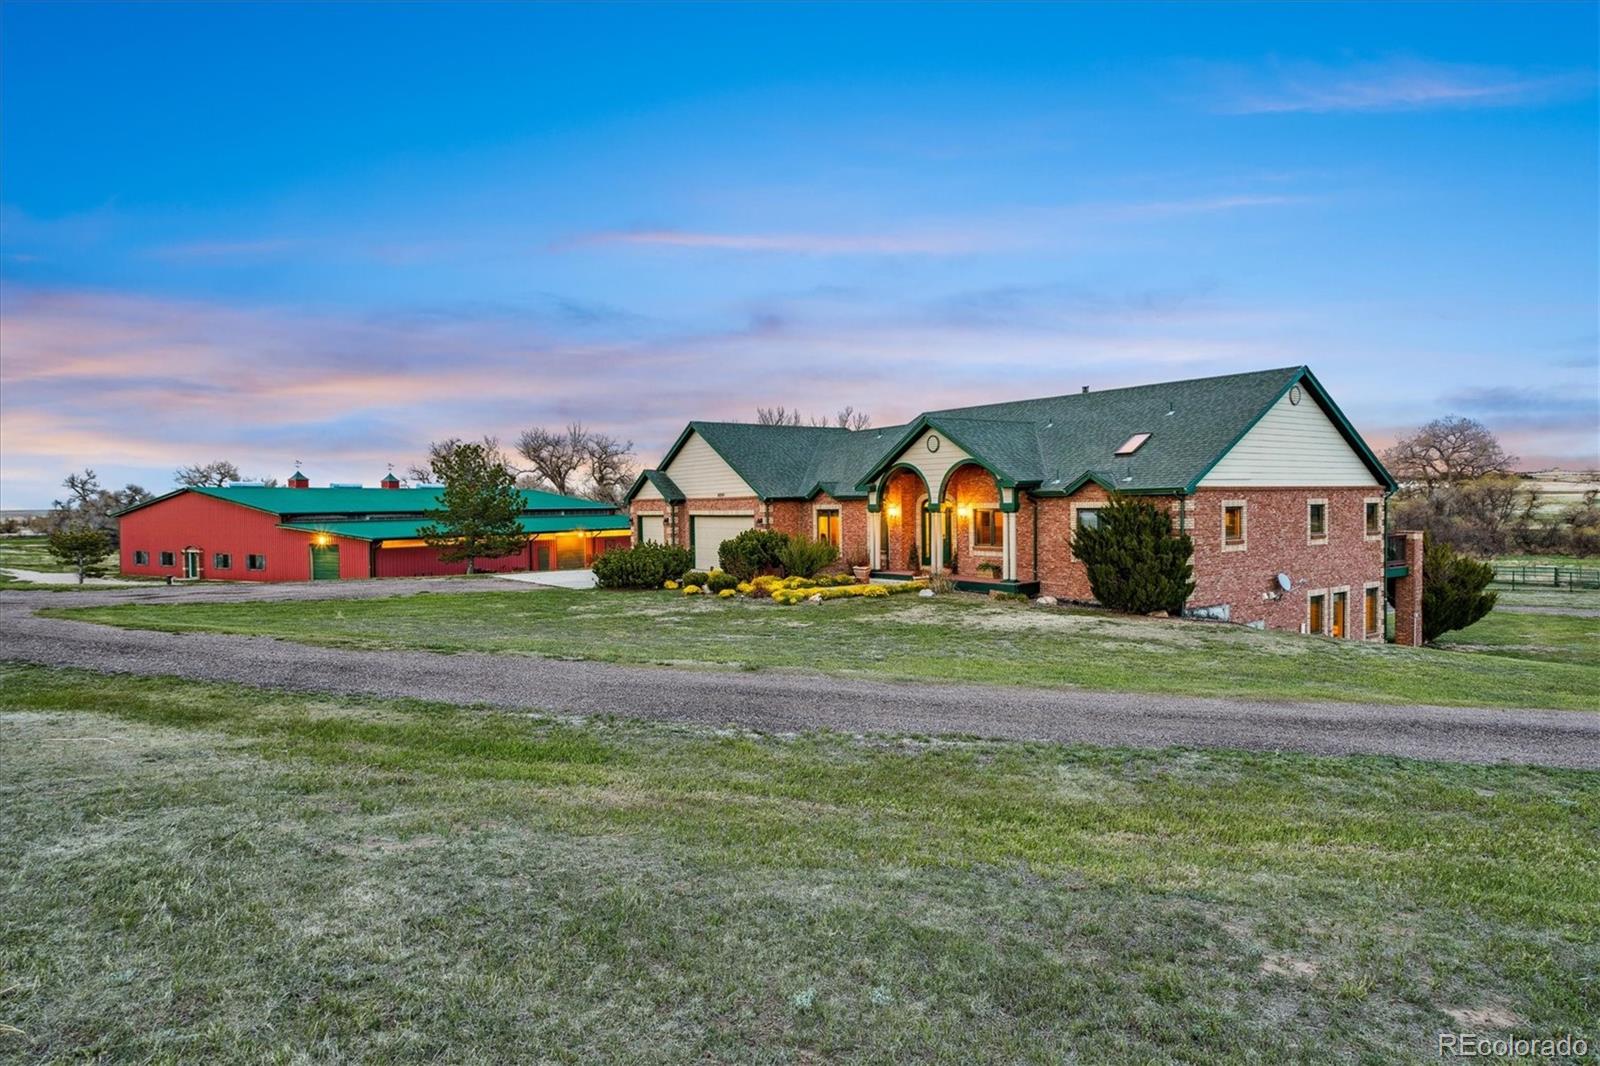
x=406 y=529
x=1047 y=445
x=665 y=485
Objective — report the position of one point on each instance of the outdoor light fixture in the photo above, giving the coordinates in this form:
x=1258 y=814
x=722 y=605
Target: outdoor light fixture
x=894 y=510
x=965 y=511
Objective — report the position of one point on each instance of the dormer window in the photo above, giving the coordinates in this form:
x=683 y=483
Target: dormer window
x=1133 y=444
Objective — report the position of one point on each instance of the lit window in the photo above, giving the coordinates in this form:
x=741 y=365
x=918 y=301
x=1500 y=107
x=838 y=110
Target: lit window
x=1370 y=613
x=986 y=528
x=1233 y=524
x=1374 y=518
x=1317 y=520
x=1133 y=444
x=1315 y=612
x=221 y=561
x=828 y=527
x=169 y=559
x=255 y=562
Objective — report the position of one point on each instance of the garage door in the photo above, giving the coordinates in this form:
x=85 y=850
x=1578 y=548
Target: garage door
x=652 y=529
x=707 y=532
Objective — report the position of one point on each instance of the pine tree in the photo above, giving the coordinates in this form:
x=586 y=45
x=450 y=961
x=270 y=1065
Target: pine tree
x=479 y=507
x=1452 y=590
x=81 y=547
x=1133 y=560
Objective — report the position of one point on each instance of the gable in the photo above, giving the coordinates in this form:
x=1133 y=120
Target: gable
x=933 y=464
x=701 y=473
x=1292 y=445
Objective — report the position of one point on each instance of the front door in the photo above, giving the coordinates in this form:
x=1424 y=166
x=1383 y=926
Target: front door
x=324 y=562
x=943 y=517
x=191 y=564
x=1339 y=599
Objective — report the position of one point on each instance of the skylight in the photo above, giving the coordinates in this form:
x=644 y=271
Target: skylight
x=1133 y=444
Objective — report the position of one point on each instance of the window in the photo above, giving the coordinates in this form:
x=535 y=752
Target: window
x=1133 y=444
x=168 y=559
x=828 y=527
x=1088 y=517
x=987 y=530
x=141 y=558
x=1340 y=600
x=1369 y=612
x=1233 y=525
x=1315 y=611
x=1317 y=521
x=255 y=562
x=1374 y=518
x=221 y=561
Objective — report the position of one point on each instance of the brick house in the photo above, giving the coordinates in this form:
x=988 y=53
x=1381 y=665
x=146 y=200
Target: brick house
x=1284 y=501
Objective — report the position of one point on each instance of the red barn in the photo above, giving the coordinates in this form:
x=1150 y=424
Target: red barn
x=255 y=533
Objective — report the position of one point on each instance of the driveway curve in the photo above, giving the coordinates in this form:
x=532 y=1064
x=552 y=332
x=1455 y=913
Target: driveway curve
x=774 y=701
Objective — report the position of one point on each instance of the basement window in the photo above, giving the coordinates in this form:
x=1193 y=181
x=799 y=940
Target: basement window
x=1133 y=444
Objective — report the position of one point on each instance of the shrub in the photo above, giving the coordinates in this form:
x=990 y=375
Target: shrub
x=1452 y=590
x=790 y=596
x=725 y=594
x=755 y=551
x=691 y=590
x=669 y=585
x=644 y=567
x=1133 y=560
x=721 y=581
x=807 y=558
x=695 y=577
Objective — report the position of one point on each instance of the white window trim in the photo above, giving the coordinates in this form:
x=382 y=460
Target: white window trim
x=1327 y=522
x=1305 y=627
x=1072 y=533
x=1379 y=534
x=1331 y=594
x=1383 y=610
x=817 y=509
x=1244 y=541
x=998 y=550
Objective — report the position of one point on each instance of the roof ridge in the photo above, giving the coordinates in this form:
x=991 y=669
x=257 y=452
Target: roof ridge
x=1125 y=388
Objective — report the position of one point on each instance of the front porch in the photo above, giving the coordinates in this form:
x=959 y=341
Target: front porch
x=966 y=528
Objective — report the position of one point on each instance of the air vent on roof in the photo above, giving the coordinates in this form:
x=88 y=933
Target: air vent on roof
x=1133 y=444
x=247 y=484
x=344 y=484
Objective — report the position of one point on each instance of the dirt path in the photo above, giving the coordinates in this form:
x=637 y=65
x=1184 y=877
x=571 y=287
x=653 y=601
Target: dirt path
x=775 y=701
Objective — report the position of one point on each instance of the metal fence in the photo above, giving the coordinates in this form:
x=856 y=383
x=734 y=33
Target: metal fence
x=1519 y=575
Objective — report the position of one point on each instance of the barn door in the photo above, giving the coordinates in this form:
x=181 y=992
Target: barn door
x=324 y=562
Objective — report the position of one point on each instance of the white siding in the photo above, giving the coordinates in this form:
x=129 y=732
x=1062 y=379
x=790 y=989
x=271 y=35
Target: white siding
x=1293 y=444
x=702 y=474
x=647 y=491
x=934 y=465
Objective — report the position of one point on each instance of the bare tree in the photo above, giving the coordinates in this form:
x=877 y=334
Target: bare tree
x=778 y=416
x=1445 y=451
x=217 y=474
x=422 y=473
x=845 y=418
x=89 y=504
x=611 y=467
x=557 y=456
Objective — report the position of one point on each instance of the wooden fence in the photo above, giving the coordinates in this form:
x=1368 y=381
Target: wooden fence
x=1570 y=578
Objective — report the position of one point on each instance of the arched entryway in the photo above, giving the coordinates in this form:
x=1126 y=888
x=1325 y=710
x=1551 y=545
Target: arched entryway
x=898 y=532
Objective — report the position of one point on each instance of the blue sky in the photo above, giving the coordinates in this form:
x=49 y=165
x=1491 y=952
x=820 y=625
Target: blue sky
x=333 y=233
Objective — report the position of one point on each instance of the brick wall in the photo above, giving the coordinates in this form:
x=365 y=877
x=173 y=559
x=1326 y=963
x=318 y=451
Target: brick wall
x=798 y=519
x=1059 y=574
x=1408 y=594
x=971 y=487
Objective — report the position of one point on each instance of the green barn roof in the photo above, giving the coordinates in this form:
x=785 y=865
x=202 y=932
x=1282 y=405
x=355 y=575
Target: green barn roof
x=337 y=504
x=406 y=529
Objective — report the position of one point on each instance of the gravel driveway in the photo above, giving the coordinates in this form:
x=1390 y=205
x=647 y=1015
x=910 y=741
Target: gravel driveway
x=774 y=701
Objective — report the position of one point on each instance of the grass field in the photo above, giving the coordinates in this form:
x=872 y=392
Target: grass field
x=1553 y=638
x=950 y=638
x=28 y=553
x=203 y=872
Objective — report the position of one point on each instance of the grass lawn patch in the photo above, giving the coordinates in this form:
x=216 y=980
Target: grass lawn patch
x=1551 y=637
x=949 y=638
x=29 y=553
x=209 y=872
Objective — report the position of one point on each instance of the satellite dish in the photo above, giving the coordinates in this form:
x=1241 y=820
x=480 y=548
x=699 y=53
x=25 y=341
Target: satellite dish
x=1284 y=582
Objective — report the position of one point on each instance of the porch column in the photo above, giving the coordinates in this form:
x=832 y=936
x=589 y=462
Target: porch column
x=874 y=520
x=1008 y=558
x=935 y=542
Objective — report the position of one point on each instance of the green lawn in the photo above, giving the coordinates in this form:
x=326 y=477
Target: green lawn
x=204 y=872
x=1552 y=637
x=950 y=638
x=28 y=553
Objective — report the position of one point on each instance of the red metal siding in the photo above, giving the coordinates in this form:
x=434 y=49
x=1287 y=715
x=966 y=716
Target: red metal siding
x=425 y=562
x=212 y=525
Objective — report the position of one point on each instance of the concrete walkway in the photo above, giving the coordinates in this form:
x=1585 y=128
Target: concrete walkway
x=56 y=577
x=775 y=701
x=556 y=579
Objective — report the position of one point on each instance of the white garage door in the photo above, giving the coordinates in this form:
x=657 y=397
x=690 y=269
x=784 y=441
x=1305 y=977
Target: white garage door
x=652 y=529
x=709 y=531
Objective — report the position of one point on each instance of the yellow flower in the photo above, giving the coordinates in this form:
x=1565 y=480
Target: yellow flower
x=670 y=585
x=725 y=594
